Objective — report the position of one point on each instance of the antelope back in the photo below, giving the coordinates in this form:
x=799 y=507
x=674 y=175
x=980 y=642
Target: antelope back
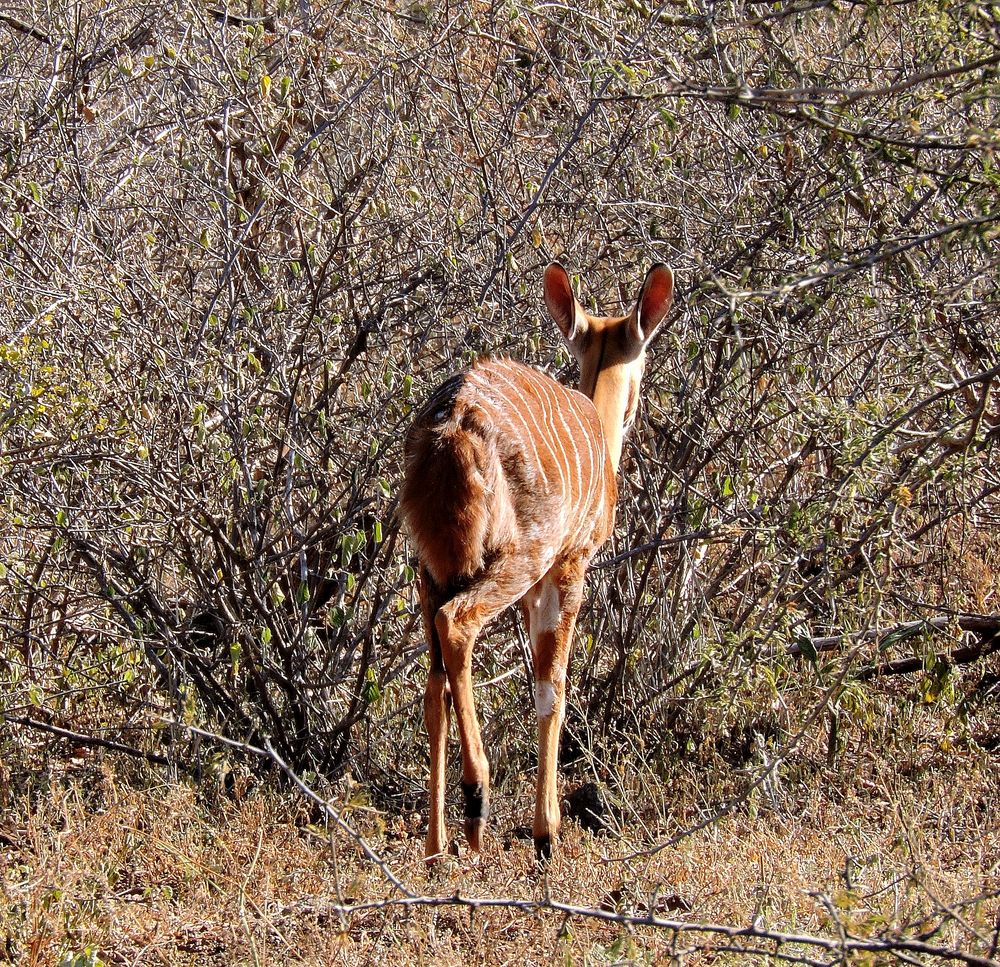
x=503 y=460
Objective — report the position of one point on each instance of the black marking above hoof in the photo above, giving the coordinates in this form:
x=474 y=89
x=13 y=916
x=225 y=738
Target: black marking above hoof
x=477 y=801
x=543 y=849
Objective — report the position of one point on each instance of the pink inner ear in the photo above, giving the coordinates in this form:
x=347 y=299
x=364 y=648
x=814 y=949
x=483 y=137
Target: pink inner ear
x=656 y=295
x=560 y=299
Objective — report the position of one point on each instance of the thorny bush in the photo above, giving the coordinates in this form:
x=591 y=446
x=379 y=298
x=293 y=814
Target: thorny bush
x=236 y=250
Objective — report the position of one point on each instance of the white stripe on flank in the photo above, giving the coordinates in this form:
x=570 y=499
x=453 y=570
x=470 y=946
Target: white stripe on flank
x=536 y=413
x=582 y=505
x=505 y=407
x=550 y=407
x=543 y=395
x=523 y=410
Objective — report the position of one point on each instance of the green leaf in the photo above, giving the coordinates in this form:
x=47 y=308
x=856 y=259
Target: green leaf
x=371 y=693
x=807 y=648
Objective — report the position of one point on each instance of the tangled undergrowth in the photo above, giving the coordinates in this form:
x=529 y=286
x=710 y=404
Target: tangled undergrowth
x=237 y=248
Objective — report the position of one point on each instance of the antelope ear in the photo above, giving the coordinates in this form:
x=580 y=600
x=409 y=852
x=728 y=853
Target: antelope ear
x=654 y=302
x=562 y=305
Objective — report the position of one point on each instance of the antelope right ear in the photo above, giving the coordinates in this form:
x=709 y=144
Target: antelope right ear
x=654 y=302
x=566 y=312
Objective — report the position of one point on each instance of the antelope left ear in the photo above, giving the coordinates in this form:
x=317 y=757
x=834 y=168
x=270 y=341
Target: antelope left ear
x=654 y=302
x=562 y=304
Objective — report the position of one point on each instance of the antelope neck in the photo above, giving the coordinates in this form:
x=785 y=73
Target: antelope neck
x=610 y=398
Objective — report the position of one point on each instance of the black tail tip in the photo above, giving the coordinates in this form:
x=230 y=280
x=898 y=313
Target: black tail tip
x=543 y=850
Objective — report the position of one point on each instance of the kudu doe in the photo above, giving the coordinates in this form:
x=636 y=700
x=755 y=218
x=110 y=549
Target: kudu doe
x=509 y=490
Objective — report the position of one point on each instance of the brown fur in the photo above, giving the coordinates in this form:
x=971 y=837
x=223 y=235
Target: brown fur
x=455 y=497
x=451 y=536
x=509 y=491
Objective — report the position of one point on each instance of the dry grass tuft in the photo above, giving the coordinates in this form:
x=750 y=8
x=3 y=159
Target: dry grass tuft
x=154 y=874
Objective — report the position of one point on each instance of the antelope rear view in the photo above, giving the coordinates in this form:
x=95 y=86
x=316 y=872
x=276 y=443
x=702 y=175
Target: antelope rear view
x=509 y=490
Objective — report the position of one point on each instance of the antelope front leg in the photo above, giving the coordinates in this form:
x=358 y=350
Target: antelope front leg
x=550 y=702
x=457 y=639
x=552 y=606
x=437 y=701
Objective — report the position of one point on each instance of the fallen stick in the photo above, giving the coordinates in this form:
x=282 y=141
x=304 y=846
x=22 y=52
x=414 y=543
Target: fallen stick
x=91 y=740
x=986 y=627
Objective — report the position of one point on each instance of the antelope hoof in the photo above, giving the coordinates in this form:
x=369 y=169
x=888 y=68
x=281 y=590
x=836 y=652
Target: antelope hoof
x=474 y=834
x=433 y=854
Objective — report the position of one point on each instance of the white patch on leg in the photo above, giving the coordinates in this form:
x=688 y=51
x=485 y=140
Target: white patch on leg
x=547 y=611
x=545 y=699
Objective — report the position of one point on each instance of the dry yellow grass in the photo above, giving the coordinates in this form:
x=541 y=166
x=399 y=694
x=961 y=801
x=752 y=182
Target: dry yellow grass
x=155 y=875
